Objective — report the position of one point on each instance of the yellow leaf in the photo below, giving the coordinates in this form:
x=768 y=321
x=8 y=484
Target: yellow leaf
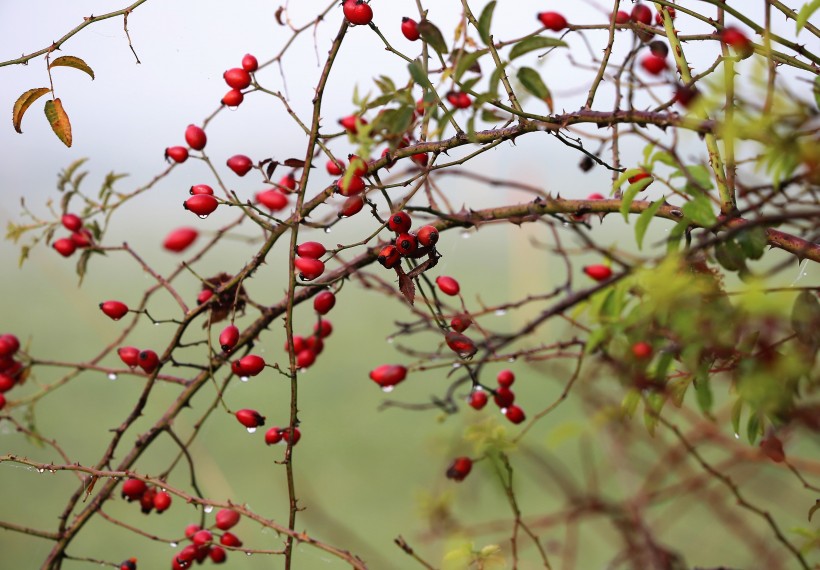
x=23 y=102
x=71 y=61
x=58 y=120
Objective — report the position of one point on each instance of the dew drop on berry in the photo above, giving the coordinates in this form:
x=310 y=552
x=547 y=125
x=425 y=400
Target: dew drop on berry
x=387 y=389
x=41 y=470
x=243 y=378
x=251 y=430
x=327 y=230
x=203 y=216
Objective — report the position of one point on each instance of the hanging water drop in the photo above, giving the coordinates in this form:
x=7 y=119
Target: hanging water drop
x=387 y=389
x=208 y=508
x=327 y=231
x=173 y=544
x=112 y=376
x=203 y=216
x=243 y=378
x=500 y=312
x=251 y=430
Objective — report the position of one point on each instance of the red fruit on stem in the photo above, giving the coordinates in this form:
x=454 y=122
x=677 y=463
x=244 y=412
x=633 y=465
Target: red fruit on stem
x=335 y=169
x=9 y=344
x=311 y=249
x=460 y=468
x=273 y=199
x=659 y=48
x=351 y=206
x=350 y=187
x=621 y=17
x=2 y=401
x=448 y=285
x=772 y=448
x=351 y=123
x=460 y=344
x=148 y=360
x=323 y=302
x=237 y=78
x=427 y=236
x=410 y=29
x=129 y=355
x=201 y=189
x=323 y=328
x=230 y=539
x=305 y=358
x=229 y=337
x=478 y=399
x=309 y=268
x=132 y=489
x=298 y=344
x=505 y=378
x=406 y=244
x=251 y=365
x=130 y=564
x=71 y=222
x=400 y=222
x=640 y=176
x=388 y=374
x=178 y=154
x=249 y=63
x=642 y=350
x=202 y=537
x=201 y=204
x=64 y=246
x=315 y=344
x=114 y=309
x=180 y=239
x=249 y=418
x=204 y=296
x=162 y=501
x=82 y=238
x=191 y=530
x=357 y=12
x=420 y=158
x=685 y=95
x=195 y=137
x=515 y=414
x=389 y=256
x=147 y=500
x=6 y=382
x=217 y=554
x=641 y=13
x=737 y=40
x=240 y=164
x=653 y=64
x=598 y=272
x=552 y=21
x=503 y=397
x=358 y=165
x=287 y=183
x=460 y=323
x=291 y=435
x=226 y=519
x=233 y=98
x=273 y=436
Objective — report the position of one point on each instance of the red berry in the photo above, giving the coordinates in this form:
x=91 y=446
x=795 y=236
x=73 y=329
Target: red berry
x=180 y=239
x=420 y=158
x=350 y=187
x=357 y=12
x=388 y=374
x=64 y=246
x=460 y=468
x=82 y=238
x=250 y=365
x=191 y=530
x=323 y=328
x=389 y=256
x=351 y=206
x=659 y=48
x=147 y=500
x=217 y=554
x=287 y=183
x=598 y=272
x=335 y=169
x=249 y=63
x=204 y=296
x=653 y=64
x=2 y=401
x=323 y=302
x=642 y=350
x=427 y=236
x=9 y=344
x=248 y=418
x=448 y=285
x=309 y=268
x=310 y=249
x=133 y=489
x=642 y=14
x=230 y=539
x=130 y=564
x=273 y=199
x=237 y=78
x=72 y=222
x=410 y=29
x=273 y=436
x=226 y=519
x=6 y=382
x=162 y=501
x=298 y=344
x=640 y=176
x=460 y=344
x=201 y=189
x=315 y=344
x=772 y=448
x=505 y=378
x=736 y=39
x=148 y=360
x=233 y=98
x=229 y=337
x=358 y=166
x=552 y=21
x=515 y=414
x=621 y=17
x=114 y=309
x=291 y=435
x=351 y=123
x=406 y=244
x=240 y=164
x=504 y=397
x=186 y=555
x=399 y=222
x=201 y=204
x=178 y=154
x=305 y=358
x=195 y=137
x=478 y=399
x=202 y=537
x=685 y=94
x=129 y=355
x=460 y=323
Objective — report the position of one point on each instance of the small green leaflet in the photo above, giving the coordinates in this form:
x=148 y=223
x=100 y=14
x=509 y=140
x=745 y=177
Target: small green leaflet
x=432 y=35
x=630 y=194
x=532 y=44
x=805 y=13
x=700 y=211
x=644 y=220
x=532 y=82
x=418 y=75
x=71 y=61
x=484 y=22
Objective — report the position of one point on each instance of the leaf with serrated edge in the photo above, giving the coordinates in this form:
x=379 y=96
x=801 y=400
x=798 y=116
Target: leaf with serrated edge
x=23 y=102
x=71 y=61
x=534 y=43
x=644 y=220
x=58 y=119
x=406 y=286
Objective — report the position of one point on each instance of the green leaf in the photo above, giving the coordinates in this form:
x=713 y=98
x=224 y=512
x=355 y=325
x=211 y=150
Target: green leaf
x=465 y=62
x=753 y=428
x=432 y=35
x=806 y=319
x=625 y=175
x=753 y=241
x=703 y=391
x=533 y=43
x=816 y=90
x=699 y=210
x=675 y=235
x=644 y=220
x=805 y=13
x=58 y=119
x=532 y=82
x=664 y=157
x=23 y=102
x=737 y=411
x=418 y=75
x=630 y=403
x=630 y=194
x=730 y=255
x=484 y=22
x=71 y=61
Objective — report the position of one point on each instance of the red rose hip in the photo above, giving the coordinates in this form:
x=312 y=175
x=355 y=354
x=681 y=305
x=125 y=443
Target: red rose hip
x=448 y=285
x=195 y=137
x=114 y=309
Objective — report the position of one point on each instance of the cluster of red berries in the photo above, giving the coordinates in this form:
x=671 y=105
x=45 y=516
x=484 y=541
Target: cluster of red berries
x=12 y=372
x=202 y=201
x=407 y=244
x=459 y=99
x=503 y=397
x=352 y=187
x=202 y=544
x=132 y=357
x=357 y=12
x=307 y=349
x=252 y=420
x=149 y=497
x=239 y=78
x=307 y=261
x=80 y=236
x=460 y=468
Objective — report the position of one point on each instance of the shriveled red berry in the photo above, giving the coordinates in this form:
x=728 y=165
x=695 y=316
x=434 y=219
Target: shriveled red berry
x=71 y=222
x=201 y=204
x=162 y=501
x=460 y=344
x=273 y=436
x=400 y=222
x=351 y=123
x=64 y=246
x=642 y=350
x=233 y=98
x=410 y=29
x=230 y=539
x=249 y=418
x=448 y=285
x=226 y=519
x=505 y=378
x=659 y=17
x=217 y=554
x=460 y=468
x=357 y=12
x=178 y=154
x=291 y=435
x=478 y=399
x=598 y=272
x=250 y=63
x=132 y=489
x=389 y=256
x=335 y=169
x=406 y=244
x=202 y=537
x=552 y=21
x=311 y=249
x=201 y=189
x=251 y=365
x=237 y=78
x=309 y=268
x=351 y=206
x=503 y=397
x=240 y=164
x=641 y=13
x=195 y=137
x=323 y=302
x=350 y=186
x=129 y=355
x=273 y=199
x=772 y=448
x=180 y=239
x=515 y=414
x=323 y=328
x=148 y=360
x=9 y=344
x=427 y=236
x=114 y=309
x=229 y=337
x=388 y=374
x=460 y=323
x=653 y=64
